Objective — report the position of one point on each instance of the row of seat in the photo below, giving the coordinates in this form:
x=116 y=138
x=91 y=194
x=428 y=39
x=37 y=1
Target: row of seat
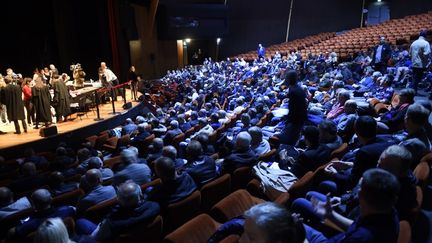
x=356 y=40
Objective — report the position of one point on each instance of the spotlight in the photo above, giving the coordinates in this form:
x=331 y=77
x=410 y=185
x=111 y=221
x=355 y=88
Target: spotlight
x=188 y=40
x=218 y=40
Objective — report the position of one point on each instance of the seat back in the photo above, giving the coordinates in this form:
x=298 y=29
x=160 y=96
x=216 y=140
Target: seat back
x=196 y=230
x=177 y=139
x=180 y=212
x=111 y=162
x=68 y=198
x=97 y=212
x=13 y=220
x=339 y=152
x=233 y=205
x=241 y=177
x=404 y=232
x=422 y=172
x=299 y=188
x=214 y=191
x=189 y=132
x=151 y=232
x=267 y=156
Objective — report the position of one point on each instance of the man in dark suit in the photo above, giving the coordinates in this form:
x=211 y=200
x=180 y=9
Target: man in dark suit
x=95 y=192
x=138 y=173
x=416 y=118
x=41 y=201
x=155 y=150
x=242 y=156
x=7 y=204
x=174 y=187
x=172 y=133
x=29 y=179
x=58 y=186
x=202 y=168
x=381 y=55
x=131 y=210
x=315 y=155
x=366 y=157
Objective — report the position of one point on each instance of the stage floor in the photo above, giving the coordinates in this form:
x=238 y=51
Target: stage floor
x=10 y=139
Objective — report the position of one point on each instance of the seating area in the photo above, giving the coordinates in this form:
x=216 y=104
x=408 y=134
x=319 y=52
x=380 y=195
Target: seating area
x=396 y=31
x=229 y=138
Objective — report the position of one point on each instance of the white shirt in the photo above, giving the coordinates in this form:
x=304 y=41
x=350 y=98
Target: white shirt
x=420 y=51
x=110 y=76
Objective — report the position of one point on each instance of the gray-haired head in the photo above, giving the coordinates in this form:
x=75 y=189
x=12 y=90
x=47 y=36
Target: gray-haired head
x=274 y=223
x=139 y=120
x=129 y=194
x=417 y=148
x=243 y=141
x=128 y=156
x=256 y=134
x=395 y=159
x=52 y=230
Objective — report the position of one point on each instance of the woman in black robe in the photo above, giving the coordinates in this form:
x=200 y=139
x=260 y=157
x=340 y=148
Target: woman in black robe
x=41 y=98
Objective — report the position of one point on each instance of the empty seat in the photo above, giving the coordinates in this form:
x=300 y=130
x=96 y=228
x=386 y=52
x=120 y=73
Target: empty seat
x=214 y=191
x=180 y=212
x=234 y=205
x=150 y=232
x=196 y=230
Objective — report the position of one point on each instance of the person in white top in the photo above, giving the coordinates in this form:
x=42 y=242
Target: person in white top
x=110 y=77
x=420 y=52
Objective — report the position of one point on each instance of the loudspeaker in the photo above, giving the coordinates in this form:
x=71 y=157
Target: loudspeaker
x=48 y=131
x=127 y=105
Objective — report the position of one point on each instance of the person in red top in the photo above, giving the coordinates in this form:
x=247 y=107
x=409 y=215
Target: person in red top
x=26 y=89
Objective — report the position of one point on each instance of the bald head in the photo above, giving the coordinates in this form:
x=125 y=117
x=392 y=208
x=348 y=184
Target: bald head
x=165 y=169
x=170 y=152
x=6 y=196
x=93 y=177
x=29 y=168
x=41 y=199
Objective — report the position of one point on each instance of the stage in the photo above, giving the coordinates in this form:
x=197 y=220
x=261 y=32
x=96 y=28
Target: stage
x=73 y=131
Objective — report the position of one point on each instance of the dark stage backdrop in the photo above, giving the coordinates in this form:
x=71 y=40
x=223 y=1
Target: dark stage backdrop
x=37 y=33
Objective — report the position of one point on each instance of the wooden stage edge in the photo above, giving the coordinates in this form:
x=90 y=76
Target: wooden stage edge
x=72 y=132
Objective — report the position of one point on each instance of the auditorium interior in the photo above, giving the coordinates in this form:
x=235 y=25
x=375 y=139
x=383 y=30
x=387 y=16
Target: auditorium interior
x=189 y=121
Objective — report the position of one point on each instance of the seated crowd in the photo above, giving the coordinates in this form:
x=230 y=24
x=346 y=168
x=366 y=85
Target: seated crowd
x=293 y=113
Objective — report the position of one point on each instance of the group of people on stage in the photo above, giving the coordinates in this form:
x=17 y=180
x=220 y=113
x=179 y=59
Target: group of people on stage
x=18 y=94
x=31 y=101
